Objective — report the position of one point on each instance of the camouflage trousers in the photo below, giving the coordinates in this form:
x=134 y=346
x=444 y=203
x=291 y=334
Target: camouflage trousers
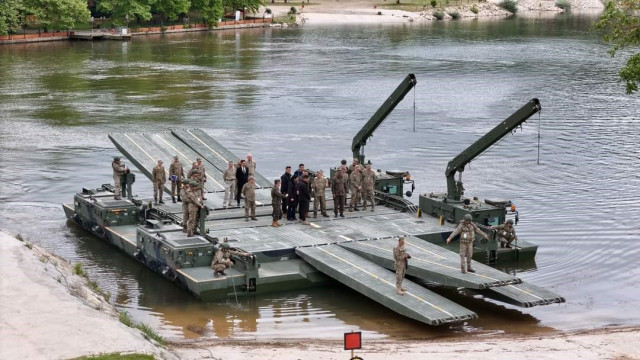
x=249 y=204
x=400 y=271
x=368 y=194
x=185 y=215
x=175 y=188
x=117 y=185
x=221 y=265
x=277 y=210
x=355 y=198
x=321 y=203
x=466 y=250
x=158 y=189
x=193 y=218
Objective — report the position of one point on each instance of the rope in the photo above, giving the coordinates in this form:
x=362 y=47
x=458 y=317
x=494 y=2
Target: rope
x=539 y=120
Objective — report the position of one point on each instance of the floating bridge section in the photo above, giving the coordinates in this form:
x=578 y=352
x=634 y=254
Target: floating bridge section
x=356 y=250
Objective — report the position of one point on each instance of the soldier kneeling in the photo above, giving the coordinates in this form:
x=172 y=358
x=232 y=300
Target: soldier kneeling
x=222 y=261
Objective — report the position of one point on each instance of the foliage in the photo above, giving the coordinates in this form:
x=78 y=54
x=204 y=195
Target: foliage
x=11 y=13
x=117 y=356
x=60 y=14
x=455 y=15
x=564 y=5
x=438 y=15
x=123 y=11
x=171 y=8
x=474 y=9
x=210 y=10
x=145 y=329
x=293 y=11
x=434 y=3
x=77 y=269
x=251 y=5
x=509 y=5
x=125 y=318
x=286 y=19
x=621 y=25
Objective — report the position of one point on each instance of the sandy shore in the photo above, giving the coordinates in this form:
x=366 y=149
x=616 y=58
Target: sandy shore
x=50 y=313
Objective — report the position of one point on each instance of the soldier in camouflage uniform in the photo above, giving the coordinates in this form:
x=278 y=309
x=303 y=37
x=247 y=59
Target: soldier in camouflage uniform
x=221 y=259
x=320 y=183
x=176 y=173
x=184 y=193
x=400 y=258
x=368 y=182
x=251 y=165
x=203 y=177
x=159 y=178
x=194 y=207
x=276 y=202
x=467 y=230
x=119 y=169
x=339 y=191
x=355 y=185
x=506 y=233
x=229 y=178
x=249 y=194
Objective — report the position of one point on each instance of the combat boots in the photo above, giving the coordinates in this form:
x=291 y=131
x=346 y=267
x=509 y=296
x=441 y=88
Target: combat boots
x=160 y=202
x=325 y=214
x=399 y=291
x=179 y=200
x=274 y=223
x=173 y=198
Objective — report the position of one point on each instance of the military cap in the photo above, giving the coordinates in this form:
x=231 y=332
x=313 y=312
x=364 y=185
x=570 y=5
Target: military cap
x=193 y=183
x=510 y=221
x=198 y=159
x=116 y=158
x=468 y=217
x=186 y=181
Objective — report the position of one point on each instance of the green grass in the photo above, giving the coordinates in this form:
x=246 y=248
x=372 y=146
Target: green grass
x=19 y=237
x=509 y=5
x=148 y=332
x=117 y=356
x=286 y=19
x=564 y=5
x=78 y=270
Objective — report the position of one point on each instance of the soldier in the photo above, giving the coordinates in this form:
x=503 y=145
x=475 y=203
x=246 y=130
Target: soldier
x=221 y=260
x=229 y=177
x=353 y=165
x=249 y=194
x=355 y=184
x=339 y=191
x=194 y=207
x=203 y=177
x=159 y=178
x=176 y=173
x=368 y=182
x=251 y=165
x=304 y=197
x=320 y=183
x=467 y=230
x=506 y=233
x=119 y=169
x=277 y=198
x=400 y=258
x=184 y=193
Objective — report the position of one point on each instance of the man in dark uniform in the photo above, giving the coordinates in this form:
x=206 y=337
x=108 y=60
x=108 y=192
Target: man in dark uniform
x=242 y=177
x=339 y=191
x=284 y=187
x=304 y=198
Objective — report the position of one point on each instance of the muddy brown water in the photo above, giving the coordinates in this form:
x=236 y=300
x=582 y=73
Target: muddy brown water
x=300 y=95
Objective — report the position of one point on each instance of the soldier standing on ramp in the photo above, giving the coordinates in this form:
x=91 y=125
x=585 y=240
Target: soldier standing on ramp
x=276 y=202
x=159 y=178
x=249 y=194
x=467 y=230
x=119 y=169
x=194 y=207
x=320 y=183
x=400 y=258
x=339 y=191
x=368 y=181
x=229 y=177
x=355 y=184
x=184 y=193
x=176 y=173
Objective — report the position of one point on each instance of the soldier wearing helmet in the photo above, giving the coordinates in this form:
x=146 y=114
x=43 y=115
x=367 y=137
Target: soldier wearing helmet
x=506 y=233
x=119 y=169
x=467 y=230
x=222 y=261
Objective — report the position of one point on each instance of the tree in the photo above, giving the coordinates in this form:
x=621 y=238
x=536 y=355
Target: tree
x=210 y=10
x=171 y=8
x=124 y=10
x=251 y=5
x=61 y=14
x=621 y=25
x=11 y=13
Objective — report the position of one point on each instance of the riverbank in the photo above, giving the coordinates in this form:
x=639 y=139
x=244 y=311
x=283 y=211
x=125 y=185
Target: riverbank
x=49 y=312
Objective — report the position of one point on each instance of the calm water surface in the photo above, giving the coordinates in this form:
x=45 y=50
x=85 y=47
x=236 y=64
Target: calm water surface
x=300 y=95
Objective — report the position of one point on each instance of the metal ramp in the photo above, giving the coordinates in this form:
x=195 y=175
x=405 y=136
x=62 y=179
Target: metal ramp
x=523 y=295
x=431 y=262
x=144 y=150
x=378 y=284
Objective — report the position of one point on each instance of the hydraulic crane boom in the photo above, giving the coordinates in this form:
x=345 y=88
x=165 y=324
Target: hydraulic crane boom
x=455 y=188
x=367 y=130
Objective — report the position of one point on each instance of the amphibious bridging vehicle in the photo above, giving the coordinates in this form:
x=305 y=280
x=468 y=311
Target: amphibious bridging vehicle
x=355 y=250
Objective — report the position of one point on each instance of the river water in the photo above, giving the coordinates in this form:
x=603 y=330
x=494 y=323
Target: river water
x=300 y=95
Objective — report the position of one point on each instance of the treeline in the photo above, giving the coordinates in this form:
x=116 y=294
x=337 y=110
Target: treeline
x=16 y=15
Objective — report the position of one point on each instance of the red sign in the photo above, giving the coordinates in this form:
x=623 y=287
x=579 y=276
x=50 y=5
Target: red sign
x=352 y=340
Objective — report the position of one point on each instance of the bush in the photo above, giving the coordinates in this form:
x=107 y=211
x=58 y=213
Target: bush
x=434 y=3
x=509 y=5
x=438 y=15
x=564 y=5
x=77 y=269
x=455 y=15
x=293 y=10
x=474 y=9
